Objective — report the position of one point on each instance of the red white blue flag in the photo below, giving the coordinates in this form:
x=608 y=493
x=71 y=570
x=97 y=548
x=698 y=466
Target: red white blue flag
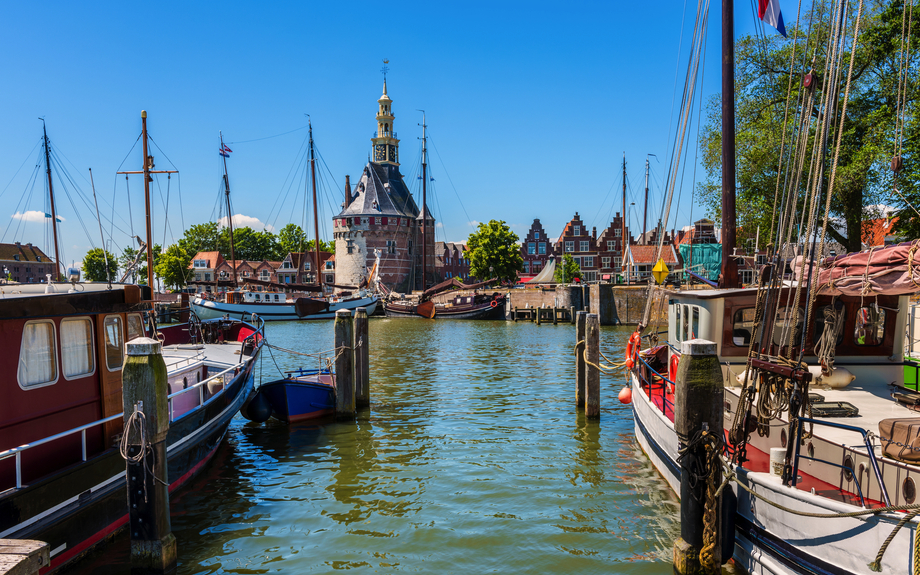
x=771 y=14
x=225 y=151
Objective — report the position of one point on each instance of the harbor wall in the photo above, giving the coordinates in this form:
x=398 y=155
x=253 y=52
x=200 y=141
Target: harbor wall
x=615 y=305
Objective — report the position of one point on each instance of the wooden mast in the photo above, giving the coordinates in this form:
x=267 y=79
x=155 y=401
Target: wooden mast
x=625 y=241
x=424 y=204
x=229 y=213
x=148 y=164
x=645 y=211
x=57 y=256
x=729 y=276
x=319 y=275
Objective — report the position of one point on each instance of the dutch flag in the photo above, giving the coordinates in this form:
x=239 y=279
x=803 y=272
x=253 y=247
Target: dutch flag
x=771 y=14
x=225 y=151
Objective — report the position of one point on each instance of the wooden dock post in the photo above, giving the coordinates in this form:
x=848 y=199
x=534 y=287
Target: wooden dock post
x=592 y=374
x=698 y=410
x=144 y=391
x=555 y=315
x=538 y=310
x=515 y=313
x=23 y=556
x=580 y=327
x=344 y=365
x=572 y=314
x=362 y=377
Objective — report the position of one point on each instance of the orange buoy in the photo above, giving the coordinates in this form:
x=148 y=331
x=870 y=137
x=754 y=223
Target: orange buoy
x=625 y=396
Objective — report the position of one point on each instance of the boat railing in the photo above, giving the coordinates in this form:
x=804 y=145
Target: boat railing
x=647 y=375
x=18 y=451
x=870 y=453
x=199 y=387
x=197 y=358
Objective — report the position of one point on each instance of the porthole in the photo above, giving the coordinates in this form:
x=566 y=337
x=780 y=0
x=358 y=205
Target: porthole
x=782 y=437
x=909 y=490
x=848 y=468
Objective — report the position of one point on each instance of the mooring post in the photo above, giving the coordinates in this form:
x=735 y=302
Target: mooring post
x=698 y=415
x=362 y=378
x=344 y=365
x=572 y=314
x=580 y=327
x=592 y=373
x=555 y=315
x=144 y=398
x=539 y=309
x=515 y=314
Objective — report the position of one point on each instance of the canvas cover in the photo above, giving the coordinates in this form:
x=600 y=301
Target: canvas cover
x=892 y=270
x=704 y=260
x=905 y=431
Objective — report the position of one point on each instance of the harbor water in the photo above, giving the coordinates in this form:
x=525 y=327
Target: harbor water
x=472 y=458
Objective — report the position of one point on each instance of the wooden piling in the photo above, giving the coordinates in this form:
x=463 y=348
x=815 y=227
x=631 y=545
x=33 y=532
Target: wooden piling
x=555 y=315
x=144 y=391
x=344 y=365
x=538 y=310
x=515 y=314
x=580 y=327
x=592 y=373
x=572 y=314
x=699 y=397
x=362 y=378
x=23 y=556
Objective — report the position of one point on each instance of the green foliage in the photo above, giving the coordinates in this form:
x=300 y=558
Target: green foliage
x=292 y=239
x=172 y=266
x=863 y=175
x=201 y=238
x=139 y=275
x=493 y=252
x=94 y=266
x=567 y=270
x=251 y=245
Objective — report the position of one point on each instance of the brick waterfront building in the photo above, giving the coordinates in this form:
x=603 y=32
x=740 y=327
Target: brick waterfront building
x=535 y=249
x=25 y=263
x=381 y=216
x=452 y=261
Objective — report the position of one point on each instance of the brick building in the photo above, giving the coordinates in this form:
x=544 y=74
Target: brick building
x=535 y=249
x=581 y=245
x=451 y=261
x=25 y=263
x=610 y=246
x=382 y=216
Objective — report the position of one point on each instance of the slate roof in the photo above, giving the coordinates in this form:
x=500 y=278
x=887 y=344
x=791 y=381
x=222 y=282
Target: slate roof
x=27 y=253
x=381 y=192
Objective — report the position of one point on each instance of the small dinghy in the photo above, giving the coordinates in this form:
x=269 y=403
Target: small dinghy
x=301 y=394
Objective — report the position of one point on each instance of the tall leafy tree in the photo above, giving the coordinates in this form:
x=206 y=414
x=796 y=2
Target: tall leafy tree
x=292 y=238
x=173 y=266
x=494 y=253
x=94 y=266
x=567 y=270
x=201 y=238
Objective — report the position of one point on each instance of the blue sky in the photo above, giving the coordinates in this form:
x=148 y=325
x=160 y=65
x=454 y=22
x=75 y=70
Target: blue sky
x=530 y=107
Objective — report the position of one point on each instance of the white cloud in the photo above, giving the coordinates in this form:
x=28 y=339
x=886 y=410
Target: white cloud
x=33 y=216
x=473 y=223
x=439 y=225
x=241 y=221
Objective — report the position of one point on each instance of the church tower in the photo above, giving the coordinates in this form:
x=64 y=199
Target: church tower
x=386 y=146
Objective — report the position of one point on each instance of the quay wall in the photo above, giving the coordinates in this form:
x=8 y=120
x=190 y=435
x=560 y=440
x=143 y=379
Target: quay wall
x=616 y=305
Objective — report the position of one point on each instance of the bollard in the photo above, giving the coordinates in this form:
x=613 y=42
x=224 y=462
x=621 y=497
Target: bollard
x=580 y=359
x=555 y=314
x=538 y=310
x=362 y=376
x=572 y=314
x=145 y=386
x=515 y=313
x=698 y=406
x=344 y=365
x=592 y=373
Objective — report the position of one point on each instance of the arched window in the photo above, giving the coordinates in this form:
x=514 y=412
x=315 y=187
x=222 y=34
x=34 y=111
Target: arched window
x=386 y=128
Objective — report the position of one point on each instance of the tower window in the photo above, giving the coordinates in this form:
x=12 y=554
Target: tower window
x=391 y=246
x=350 y=244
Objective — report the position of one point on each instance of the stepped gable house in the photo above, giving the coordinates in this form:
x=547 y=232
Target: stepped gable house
x=581 y=245
x=610 y=247
x=380 y=215
x=535 y=249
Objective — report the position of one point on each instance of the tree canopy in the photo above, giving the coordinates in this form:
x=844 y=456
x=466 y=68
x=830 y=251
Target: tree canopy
x=248 y=244
x=173 y=266
x=494 y=252
x=567 y=271
x=763 y=80
x=94 y=266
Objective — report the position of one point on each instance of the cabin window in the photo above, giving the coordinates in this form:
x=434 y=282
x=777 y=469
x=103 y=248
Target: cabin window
x=827 y=318
x=77 y=347
x=135 y=326
x=114 y=343
x=37 y=355
x=743 y=326
x=695 y=323
x=783 y=327
x=870 y=325
x=685 y=326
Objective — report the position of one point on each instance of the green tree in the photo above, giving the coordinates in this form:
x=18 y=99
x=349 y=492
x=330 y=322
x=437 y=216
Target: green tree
x=250 y=245
x=567 y=271
x=292 y=238
x=494 y=253
x=172 y=267
x=94 y=266
x=863 y=176
x=201 y=238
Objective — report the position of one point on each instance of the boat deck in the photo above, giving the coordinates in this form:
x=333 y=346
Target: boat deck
x=217 y=354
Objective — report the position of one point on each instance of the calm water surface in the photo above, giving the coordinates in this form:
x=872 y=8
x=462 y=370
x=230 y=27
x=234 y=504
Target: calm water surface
x=471 y=459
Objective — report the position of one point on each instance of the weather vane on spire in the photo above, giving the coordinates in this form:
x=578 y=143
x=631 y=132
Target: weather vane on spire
x=385 y=69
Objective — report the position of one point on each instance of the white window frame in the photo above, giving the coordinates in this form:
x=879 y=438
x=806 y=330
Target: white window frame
x=54 y=356
x=92 y=346
x=605 y=262
x=576 y=230
x=201 y=264
x=124 y=339
x=618 y=232
x=569 y=247
x=584 y=246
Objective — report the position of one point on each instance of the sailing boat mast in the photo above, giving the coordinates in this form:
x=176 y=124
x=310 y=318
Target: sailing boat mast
x=57 y=257
x=424 y=203
x=229 y=211
x=319 y=275
x=148 y=164
x=729 y=277
x=625 y=240
x=645 y=211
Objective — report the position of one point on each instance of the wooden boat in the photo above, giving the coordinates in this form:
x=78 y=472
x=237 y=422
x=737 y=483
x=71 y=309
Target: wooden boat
x=478 y=306
x=301 y=394
x=62 y=478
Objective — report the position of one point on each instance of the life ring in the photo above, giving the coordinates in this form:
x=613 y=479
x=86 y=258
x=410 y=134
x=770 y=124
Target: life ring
x=672 y=367
x=494 y=303
x=632 y=349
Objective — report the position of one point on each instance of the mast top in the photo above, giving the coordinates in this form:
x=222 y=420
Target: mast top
x=143 y=113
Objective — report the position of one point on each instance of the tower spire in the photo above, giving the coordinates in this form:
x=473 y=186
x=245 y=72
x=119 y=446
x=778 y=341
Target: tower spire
x=385 y=144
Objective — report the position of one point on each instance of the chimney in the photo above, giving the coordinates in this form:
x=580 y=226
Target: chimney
x=347 y=191
x=594 y=234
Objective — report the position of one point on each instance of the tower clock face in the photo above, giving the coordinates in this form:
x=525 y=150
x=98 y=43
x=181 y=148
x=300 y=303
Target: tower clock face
x=379 y=153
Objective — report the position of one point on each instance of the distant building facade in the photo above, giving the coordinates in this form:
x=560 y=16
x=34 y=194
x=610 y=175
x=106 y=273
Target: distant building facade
x=25 y=263
x=452 y=261
x=535 y=249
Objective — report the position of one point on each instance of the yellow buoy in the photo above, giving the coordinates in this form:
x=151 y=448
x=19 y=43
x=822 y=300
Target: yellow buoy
x=660 y=271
